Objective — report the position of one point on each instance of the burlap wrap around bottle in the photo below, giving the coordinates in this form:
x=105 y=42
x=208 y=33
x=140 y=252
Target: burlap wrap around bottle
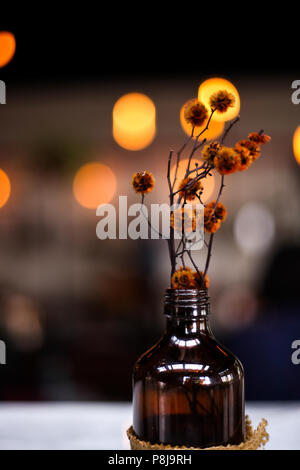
x=255 y=438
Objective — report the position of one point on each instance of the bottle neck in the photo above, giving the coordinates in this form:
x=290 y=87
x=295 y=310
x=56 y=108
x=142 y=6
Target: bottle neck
x=187 y=312
x=187 y=328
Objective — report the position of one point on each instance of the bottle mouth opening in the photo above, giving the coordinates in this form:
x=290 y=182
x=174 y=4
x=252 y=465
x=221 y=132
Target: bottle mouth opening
x=186 y=302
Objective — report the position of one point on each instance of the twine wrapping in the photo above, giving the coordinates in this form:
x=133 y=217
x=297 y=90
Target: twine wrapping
x=254 y=439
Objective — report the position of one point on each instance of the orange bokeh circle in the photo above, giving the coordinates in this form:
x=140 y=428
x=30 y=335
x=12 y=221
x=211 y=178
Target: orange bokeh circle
x=5 y=188
x=134 y=121
x=7 y=47
x=94 y=184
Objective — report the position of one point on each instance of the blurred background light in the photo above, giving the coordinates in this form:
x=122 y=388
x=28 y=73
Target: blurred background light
x=22 y=320
x=254 y=228
x=94 y=184
x=5 y=188
x=296 y=144
x=208 y=183
x=210 y=86
x=236 y=307
x=214 y=130
x=7 y=47
x=134 y=124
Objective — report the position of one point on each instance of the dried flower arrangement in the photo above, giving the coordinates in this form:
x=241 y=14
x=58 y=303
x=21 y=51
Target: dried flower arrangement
x=215 y=156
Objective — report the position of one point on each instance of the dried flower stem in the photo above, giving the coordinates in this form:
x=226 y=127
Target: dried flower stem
x=193 y=262
x=171 y=243
x=226 y=132
x=147 y=218
x=179 y=156
x=208 y=254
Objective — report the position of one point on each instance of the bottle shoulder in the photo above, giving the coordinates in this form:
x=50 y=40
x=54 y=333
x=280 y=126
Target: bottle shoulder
x=193 y=355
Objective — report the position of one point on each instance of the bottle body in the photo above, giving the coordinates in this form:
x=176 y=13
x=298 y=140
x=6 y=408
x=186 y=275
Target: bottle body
x=188 y=389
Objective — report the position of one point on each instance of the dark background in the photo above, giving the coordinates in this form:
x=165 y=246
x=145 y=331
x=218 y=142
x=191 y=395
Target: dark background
x=103 y=42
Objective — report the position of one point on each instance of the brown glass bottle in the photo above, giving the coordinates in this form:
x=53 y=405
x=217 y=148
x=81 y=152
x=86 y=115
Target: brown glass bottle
x=188 y=389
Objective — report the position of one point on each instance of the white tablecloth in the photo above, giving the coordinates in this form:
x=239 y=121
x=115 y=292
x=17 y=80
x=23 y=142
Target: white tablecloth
x=103 y=425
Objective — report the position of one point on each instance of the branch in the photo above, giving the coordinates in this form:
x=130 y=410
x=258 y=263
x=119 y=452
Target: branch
x=171 y=245
x=194 y=180
x=179 y=155
x=207 y=124
x=209 y=248
x=208 y=254
x=193 y=263
x=226 y=132
x=147 y=218
x=220 y=191
x=168 y=172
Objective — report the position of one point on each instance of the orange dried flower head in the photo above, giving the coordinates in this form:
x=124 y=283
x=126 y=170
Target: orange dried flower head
x=221 y=101
x=195 y=113
x=211 y=222
x=250 y=145
x=184 y=220
x=143 y=182
x=183 y=278
x=186 y=278
x=245 y=158
x=220 y=210
x=227 y=161
x=259 y=138
x=201 y=281
x=189 y=190
x=210 y=151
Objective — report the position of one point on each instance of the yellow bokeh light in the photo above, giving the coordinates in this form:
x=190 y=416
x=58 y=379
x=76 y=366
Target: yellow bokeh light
x=208 y=182
x=210 y=86
x=7 y=47
x=215 y=128
x=94 y=184
x=5 y=188
x=296 y=144
x=134 y=119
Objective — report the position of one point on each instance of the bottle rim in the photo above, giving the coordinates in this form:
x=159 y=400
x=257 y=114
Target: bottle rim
x=186 y=302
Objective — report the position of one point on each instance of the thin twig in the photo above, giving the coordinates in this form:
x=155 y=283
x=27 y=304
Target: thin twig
x=229 y=129
x=208 y=254
x=191 y=183
x=179 y=155
x=147 y=219
x=168 y=173
x=170 y=241
x=220 y=191
x=207 y=124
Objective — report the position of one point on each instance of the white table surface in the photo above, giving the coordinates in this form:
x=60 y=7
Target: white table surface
x=103 y=425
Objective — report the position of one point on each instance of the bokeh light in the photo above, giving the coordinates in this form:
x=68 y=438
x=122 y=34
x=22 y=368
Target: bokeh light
x=215 y=128
x=236 y=307
x=254 y=228
x=5 y=188
x=94 y=184
x=208 y=182
x=210 y=86
x=134 y=119
x=7 y=47
x=296 y=144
